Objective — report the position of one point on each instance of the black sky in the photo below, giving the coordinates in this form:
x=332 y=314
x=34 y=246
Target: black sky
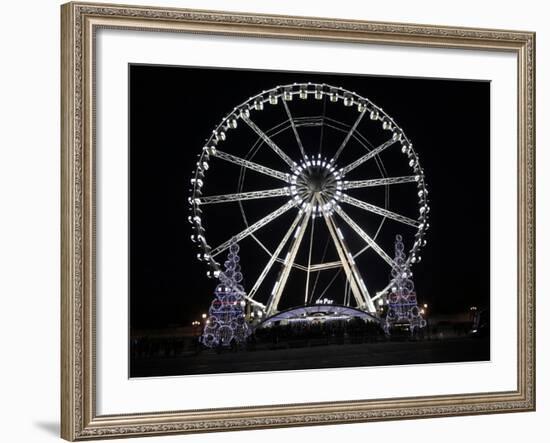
x=174 y=109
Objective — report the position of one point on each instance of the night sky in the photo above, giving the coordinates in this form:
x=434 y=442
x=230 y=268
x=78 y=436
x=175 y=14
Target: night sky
x=174 y=109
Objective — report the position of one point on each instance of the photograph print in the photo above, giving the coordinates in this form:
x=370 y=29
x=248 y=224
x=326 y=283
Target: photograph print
x=303 y=220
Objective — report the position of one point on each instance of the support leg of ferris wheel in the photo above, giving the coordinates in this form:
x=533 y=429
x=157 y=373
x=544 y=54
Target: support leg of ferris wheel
x=279 y=287
x=357 y=285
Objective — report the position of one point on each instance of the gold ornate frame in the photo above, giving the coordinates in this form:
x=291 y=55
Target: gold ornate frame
x=79 y=23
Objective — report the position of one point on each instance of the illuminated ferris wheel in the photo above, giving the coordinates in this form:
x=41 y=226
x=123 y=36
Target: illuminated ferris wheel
x=284 y=151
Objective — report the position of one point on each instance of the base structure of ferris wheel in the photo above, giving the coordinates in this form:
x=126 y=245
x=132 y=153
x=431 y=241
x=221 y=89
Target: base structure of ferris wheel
x=314 y=186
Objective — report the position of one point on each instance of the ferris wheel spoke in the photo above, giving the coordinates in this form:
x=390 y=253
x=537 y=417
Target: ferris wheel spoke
x=294 y=129
x=358 y=287
x=275 y=256
x=322 y=125
x=378 y=210
x=346 y=169
x=294 y=265
x=251 y=165
x=354 y=184
x=280 y=284
x=325 y=266
x=253 y=228
x=324 y=291
x=240 y=196
x=349 y=134
x=322 y=261
x=368 y=239
x=383 y=291
x=254 y=302
x=269 y=142
x=306 y=292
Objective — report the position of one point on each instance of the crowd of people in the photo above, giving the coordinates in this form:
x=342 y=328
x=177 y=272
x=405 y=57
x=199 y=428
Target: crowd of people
x=306 y=332
x=296 y=334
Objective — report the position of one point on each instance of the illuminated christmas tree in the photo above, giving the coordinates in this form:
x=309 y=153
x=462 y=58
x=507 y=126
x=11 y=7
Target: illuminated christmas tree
x=402 y=302
x=226 y=325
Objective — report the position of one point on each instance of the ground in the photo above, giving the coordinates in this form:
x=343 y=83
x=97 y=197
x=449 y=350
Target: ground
x=458 y=349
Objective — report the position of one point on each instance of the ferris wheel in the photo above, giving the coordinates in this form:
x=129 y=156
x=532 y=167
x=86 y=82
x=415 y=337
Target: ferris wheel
x=283 y=150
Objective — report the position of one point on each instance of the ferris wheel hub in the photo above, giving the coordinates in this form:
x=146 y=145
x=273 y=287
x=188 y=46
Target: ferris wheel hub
x=316 y=182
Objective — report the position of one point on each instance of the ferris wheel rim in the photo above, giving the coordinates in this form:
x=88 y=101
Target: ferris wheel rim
x=286 y=93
